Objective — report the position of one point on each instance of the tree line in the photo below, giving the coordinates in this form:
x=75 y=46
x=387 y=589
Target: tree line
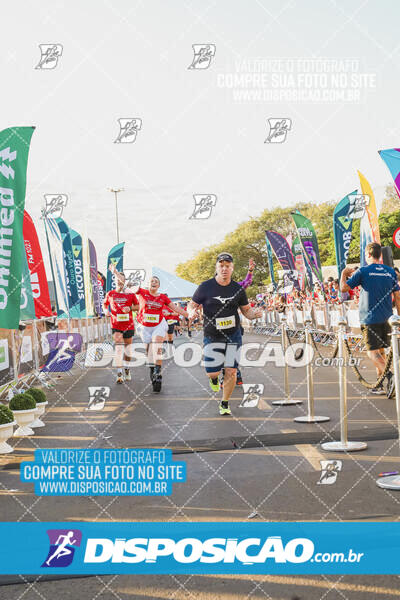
x=248 y=239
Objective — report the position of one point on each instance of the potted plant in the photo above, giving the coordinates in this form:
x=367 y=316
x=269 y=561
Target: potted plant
x=41 y=402
x=24 y=408
x=6 y=428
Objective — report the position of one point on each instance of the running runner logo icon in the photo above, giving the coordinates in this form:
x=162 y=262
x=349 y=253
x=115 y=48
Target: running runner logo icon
x=50 y=53
x=251 y=394
x=134 y=277
x=203 y=55
x=55 y=204
x=97 y=397
x=223 y=300
x=63 y=543
x=358 y=204
x=63 y=347
x=203 y=205
x=278 y=129
x=128 y=129
x=329 y=471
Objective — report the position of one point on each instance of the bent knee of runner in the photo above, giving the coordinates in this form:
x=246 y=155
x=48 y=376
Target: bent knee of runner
x=230 y=372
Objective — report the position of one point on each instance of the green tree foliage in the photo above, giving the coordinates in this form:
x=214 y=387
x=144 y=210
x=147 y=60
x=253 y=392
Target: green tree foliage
x=391 y=201
x=248 y=240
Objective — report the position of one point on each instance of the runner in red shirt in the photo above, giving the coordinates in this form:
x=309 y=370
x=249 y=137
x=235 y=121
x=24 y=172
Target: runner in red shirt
x=119 y=305
x=153 y=324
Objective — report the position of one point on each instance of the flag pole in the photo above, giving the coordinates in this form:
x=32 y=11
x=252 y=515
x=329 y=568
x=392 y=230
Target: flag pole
x=116 y=192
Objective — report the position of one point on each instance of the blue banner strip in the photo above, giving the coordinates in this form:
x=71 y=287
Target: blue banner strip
x=199 y=548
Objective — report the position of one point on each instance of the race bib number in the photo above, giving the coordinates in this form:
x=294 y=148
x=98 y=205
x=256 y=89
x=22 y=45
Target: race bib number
x=225 y=322
x=171 y=321
x=123 y=317
x=147 y=318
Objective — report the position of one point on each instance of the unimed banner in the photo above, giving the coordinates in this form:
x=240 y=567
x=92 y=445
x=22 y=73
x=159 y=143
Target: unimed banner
x=14 y=150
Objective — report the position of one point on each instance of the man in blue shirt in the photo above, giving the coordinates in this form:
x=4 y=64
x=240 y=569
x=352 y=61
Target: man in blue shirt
x=378 y=282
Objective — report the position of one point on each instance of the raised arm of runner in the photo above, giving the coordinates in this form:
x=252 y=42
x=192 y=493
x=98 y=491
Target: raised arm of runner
x=248 y=280
x=113 y=270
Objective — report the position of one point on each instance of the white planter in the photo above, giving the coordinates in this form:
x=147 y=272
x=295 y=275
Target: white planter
x=6 y=431
x=24 y=418
x=40 y=410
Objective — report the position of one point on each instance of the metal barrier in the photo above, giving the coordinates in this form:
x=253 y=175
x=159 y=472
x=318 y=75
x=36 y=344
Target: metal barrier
x=310 y=417
x=344 y=445
x=324 y=323
x=288 y=401
x=392 y=482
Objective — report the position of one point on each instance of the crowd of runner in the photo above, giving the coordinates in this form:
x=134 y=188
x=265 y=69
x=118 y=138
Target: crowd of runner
x=219 y=304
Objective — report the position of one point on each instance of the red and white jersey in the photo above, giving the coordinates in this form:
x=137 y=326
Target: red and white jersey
x=170 y=315
x=116 y=301
x=151 y=307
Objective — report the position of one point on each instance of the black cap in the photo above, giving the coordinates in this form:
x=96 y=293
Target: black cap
x=224 y=256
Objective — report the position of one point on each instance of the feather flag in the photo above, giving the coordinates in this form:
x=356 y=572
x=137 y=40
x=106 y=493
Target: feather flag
x=369 y=225
x=391 y=158
x=309 y=242
x=283 y=253
x=14 y=149
x=342 y=231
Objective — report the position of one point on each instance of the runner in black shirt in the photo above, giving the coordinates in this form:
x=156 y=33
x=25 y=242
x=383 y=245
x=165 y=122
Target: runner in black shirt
x=221 y=298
